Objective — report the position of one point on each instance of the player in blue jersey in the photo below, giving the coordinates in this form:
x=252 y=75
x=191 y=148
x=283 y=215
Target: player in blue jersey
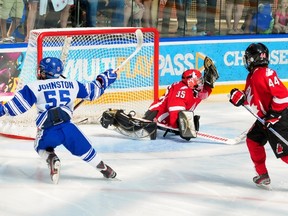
x=54 y=99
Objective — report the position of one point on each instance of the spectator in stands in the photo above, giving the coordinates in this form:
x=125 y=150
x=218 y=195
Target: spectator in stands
x=239 y=6
x=259 y=17
x=147 y=16
x=110 y=8
x=13 y=9
x=51 y=14
x=57 y=13
x=206 y=14
x=136 y=16
x=154 y=13
x=281 y=18
x=180 y=13
x=253 y=7
x=31 y=17
x=262 y=22
x=65 y=13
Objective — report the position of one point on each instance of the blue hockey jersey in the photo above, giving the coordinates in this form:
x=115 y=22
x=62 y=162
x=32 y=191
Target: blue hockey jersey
x=51 y=93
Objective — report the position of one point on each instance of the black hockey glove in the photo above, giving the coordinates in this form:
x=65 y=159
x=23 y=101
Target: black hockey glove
x=210 y=72
x=237 y=97
x=272 y=118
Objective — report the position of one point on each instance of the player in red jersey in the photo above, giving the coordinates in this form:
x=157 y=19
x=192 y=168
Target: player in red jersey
x=268 y=97
x=180 y=96
x=173 y=112
x=175 y=108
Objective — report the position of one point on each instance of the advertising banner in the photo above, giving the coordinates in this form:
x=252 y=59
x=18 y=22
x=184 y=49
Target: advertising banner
x=175 y=57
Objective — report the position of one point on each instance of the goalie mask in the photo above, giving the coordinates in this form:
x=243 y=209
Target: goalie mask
x=257 y=54
x=50 y=68
x=193 y=79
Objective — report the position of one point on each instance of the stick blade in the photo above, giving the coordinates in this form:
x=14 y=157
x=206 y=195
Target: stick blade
x=139 y=36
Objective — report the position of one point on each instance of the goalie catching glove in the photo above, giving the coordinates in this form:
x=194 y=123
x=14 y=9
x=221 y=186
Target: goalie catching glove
x=127 y=125
x=210 y=72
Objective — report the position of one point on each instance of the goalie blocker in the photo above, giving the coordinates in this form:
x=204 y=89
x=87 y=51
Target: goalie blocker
x=127 y=125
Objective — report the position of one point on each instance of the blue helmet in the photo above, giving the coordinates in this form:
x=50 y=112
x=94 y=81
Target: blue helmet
x=50 y=68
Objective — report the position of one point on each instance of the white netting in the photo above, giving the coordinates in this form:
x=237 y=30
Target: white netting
x=92 y=51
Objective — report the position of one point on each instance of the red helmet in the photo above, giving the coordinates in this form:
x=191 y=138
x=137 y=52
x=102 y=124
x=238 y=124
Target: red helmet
x=192 y=78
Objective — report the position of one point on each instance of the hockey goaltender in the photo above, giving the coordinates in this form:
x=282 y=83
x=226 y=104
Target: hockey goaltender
x=172 y=112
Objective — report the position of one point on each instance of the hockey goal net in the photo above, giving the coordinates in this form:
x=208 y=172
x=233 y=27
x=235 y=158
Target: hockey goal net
x=86 y=53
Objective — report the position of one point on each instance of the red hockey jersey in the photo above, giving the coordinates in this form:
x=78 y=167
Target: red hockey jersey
x=177 y=97
x=265 y=91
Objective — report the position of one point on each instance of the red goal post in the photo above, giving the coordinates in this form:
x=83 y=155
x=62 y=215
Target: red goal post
x=90 y=51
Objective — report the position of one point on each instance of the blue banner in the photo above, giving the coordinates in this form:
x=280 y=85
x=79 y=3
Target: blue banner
x=175 y=57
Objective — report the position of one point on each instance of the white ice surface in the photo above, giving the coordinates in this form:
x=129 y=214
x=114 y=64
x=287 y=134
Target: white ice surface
x=165 y=177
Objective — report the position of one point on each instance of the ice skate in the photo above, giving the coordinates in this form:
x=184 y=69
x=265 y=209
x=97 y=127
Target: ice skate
x=263 y=181
x=107 y=171
x=54 y=165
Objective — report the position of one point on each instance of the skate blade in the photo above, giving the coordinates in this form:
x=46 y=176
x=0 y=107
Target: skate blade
x=265 y=187
x=114 y=179
x=56 y=174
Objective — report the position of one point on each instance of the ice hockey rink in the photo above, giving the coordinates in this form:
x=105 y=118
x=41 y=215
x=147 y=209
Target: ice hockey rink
x=164 y=177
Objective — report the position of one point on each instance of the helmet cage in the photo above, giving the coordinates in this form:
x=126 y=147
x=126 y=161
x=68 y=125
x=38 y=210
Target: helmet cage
x=195 y=82
x=193 y=79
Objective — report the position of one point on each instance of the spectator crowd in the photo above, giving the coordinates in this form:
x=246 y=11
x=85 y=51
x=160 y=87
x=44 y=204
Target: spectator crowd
x=173 y=18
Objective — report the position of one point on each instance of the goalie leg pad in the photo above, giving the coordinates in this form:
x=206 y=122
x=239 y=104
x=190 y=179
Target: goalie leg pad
x=150 y=115
x=108 y=118
x=126 y=124
x=131 y=124
x=188 y=124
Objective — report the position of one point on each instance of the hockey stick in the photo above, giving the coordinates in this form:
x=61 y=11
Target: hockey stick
x=269 y=128
x=65 y=49
x=224 y=140
x=64 y=52
x=211 y=137
x=139 y=37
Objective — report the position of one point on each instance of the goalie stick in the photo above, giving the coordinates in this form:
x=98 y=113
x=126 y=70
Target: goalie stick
x=211 y=137
x=269 y=128
x=203 y=135
x=139 y=37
